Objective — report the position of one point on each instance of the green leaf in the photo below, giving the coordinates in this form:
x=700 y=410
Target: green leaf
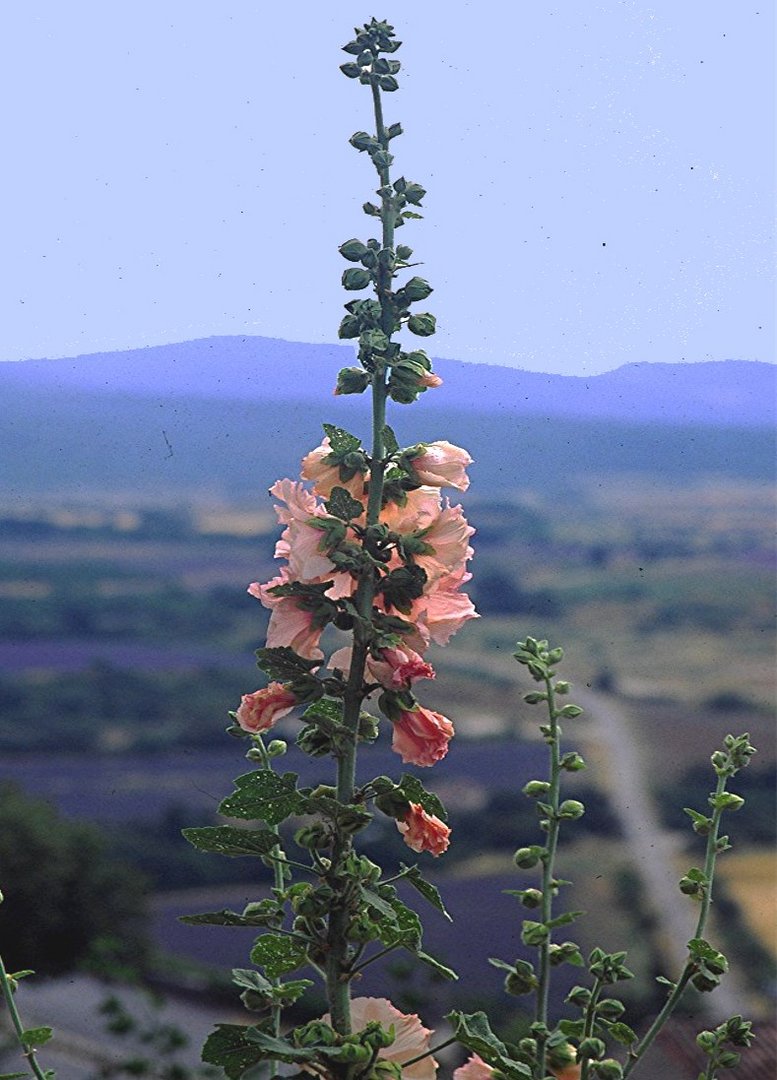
x=565 y=919
x=279 y=1049
x=388 y=83
x=474 y=1031
x=390 y=440
x=622 y=1033
x=263 y=795
x=433 y=962
x=229 y=1047
x=414 y=193
x=341 y=504
x=283 y=664
x=412 y=875
x=573 y=1029
x=278 y=954
x=232 y=918
x=13 y=1076
x=415 y=792
x=32 y=1037
x=340 y=441
x=227 y=840
x=248 y=979
x=326 y=714
x=377 y=903
x=260 y=991
x=405 y=930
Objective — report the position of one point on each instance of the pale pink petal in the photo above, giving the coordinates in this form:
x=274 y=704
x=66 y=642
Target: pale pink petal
x=473 y=1069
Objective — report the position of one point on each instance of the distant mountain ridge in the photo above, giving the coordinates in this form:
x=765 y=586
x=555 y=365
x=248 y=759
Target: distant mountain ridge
x=728 y=393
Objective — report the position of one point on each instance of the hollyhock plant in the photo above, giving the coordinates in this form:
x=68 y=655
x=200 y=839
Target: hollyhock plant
x=375 y=553
x=424 y=832
x=261 y=710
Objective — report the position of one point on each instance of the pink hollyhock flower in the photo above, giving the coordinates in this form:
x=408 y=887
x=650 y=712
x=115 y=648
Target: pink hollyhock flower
x=300 y=542
x=411 y=1038
x=424 y=832
x=421 y=736
x=326 y=476
x=430 y=380
x=440 y=464
x=398 y=669
x=440 y=613
x=419 y=512
x=290 y=624
x=473 y=1069
x=260 y=711
x=476 y=1069
x=448 y=536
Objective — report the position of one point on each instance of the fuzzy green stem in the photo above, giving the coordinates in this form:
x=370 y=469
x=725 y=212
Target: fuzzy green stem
x=278 y=859
x=679 y=989
x=17 y=1023
x=590 y=1019
x=337 y=965
x=429 y=1052
x=541 y=1015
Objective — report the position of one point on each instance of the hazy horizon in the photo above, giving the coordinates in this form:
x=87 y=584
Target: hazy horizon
x=601 y=193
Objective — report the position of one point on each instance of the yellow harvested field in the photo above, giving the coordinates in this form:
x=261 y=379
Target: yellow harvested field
x=751 y=879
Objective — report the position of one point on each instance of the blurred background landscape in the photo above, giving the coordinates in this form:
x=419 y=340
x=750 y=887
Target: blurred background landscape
x=628 y=516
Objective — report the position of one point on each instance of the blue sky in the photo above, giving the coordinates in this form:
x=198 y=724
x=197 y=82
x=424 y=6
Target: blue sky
x=600 y=175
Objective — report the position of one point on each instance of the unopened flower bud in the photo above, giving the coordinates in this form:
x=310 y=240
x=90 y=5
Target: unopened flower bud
x=609 y=1069
x=535 y=788
x=591 y=1048
x=526 y=857
x=572 y=809
x=276 y=748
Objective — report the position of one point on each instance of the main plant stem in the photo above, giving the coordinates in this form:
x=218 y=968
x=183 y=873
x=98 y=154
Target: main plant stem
x=554 y=736
x=679 y=989
x=338 y=973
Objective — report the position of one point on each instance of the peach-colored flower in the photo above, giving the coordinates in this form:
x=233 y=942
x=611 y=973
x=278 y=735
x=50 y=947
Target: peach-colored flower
x=440 y=464
x=260 y=711
x=411 y=1038
x=419 y=512
x=300 y=542
x=569 y=1072
x=399 y=668
x=430 y=380
x=290 y=624
x=441 y=612
x=448 y=536
x=326 y=475
x=473 y=1069
x=424 y=832
x=421 y=736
